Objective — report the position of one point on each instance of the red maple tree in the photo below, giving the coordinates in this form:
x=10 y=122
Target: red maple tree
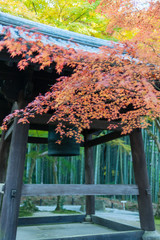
x=118 y=84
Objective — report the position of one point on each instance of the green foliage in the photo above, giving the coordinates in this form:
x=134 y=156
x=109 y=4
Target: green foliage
x=122 y=144
x=29 y=205
x=38 y=133
x=28 y=208
x=157 y=223
x=17 y=8
x=24 y=213
x=33 y=154
x=78 y=16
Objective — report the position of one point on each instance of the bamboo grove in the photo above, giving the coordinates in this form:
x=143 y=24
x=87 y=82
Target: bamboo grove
x=112 y=161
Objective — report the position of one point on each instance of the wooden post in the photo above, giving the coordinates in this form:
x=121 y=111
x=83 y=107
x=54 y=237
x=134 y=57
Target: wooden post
x=14 y=179
x=4 y=149
x=141 y=179
x=89 y=175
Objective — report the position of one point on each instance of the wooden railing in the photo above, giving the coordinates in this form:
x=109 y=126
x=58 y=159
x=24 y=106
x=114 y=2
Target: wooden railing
x=78 y=189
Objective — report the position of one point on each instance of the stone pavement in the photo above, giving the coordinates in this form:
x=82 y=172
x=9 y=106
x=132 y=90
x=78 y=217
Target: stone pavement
x=74 y=229
x=60 y=230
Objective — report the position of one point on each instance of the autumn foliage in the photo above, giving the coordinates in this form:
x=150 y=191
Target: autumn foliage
x=134 y=22
x=118 y=84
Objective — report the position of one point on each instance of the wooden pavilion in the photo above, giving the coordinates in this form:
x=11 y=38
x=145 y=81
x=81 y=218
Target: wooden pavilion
x=20 y=87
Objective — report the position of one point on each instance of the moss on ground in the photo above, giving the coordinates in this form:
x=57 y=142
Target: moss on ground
x=157 y=223
x=65 y=211
x=25 y=213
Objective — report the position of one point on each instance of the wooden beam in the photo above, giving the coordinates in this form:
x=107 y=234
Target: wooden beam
x=89 y=175
x=95 y=125
x=14 y=179
x=92 y=131
x=40 y=140
x=40 y=119
x=78 y=189
x=41 y=127
x=103 y=124
x=103 y=139
x=141 y=179
x=28 y=221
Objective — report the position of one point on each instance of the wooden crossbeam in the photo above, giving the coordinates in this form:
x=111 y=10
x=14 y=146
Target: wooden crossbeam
x=40 y=140
x=78 y=189
x=103 y=139
x=95 y=125
x=42 y=127
x=99 y=140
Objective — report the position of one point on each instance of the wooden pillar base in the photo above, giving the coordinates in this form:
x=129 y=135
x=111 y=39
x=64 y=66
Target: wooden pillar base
x=151 y=235
x=88 y=218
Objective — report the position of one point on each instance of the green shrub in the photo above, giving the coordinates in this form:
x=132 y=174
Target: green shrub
x=28 y=208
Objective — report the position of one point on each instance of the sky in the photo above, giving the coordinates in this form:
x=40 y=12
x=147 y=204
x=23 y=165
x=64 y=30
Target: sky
x=142 y=3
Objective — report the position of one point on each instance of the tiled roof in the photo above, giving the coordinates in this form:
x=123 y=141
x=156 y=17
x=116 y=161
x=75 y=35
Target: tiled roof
x=52 y=35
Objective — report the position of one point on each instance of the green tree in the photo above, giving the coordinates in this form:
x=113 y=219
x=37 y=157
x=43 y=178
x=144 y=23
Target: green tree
x=78 y=16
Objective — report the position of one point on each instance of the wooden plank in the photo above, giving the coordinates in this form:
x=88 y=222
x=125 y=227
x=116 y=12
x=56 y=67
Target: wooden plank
x=103 y=139
x=141 y=179
x=78 y=189
x=14 y=179
x=89 y=175
x=51 y=220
